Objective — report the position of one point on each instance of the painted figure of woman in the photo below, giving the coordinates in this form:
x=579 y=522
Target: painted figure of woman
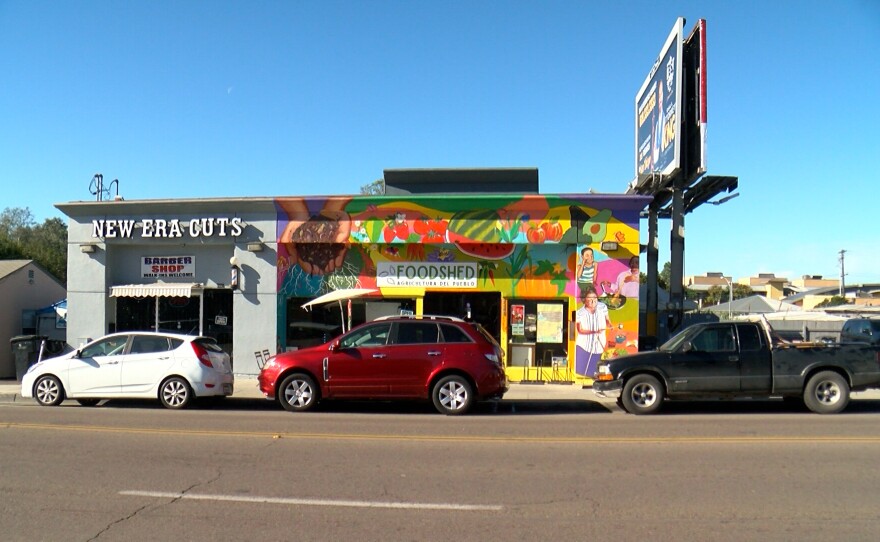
x=592 y=325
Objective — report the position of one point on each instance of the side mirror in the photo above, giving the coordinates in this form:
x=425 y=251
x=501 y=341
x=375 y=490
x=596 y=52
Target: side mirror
x=334 y=346
x=687 y=346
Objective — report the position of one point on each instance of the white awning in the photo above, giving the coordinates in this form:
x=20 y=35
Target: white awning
x=338 y=295
x=157 y=289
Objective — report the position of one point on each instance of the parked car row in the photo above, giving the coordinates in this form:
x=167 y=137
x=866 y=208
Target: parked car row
x=454 y=363
x=447 y=360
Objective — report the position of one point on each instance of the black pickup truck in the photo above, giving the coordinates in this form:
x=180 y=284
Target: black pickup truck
x=739 y=359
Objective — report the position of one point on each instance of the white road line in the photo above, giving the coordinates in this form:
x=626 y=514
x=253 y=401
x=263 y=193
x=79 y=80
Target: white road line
x=317 y=502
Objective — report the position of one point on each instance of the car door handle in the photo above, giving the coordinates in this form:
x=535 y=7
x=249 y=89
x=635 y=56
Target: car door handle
x=434 y=353
x=112 y=363
x=733 y=358
x=378 y=355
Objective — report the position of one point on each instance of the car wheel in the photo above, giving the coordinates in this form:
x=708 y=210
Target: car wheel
x=452 y=395
x=48 y=391
x=298 y=393
x=826 y=393
x=642 y=394
x=88 y=402
x=175 y=393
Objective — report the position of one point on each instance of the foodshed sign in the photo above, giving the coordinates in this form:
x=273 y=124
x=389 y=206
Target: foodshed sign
x=427 y=274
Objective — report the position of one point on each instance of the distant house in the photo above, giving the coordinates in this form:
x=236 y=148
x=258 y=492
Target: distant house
x=25 y=288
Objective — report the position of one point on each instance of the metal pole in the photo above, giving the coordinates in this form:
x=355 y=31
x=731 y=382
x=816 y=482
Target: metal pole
x=730 y=298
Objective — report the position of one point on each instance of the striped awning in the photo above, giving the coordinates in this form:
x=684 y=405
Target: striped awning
x=157 y=289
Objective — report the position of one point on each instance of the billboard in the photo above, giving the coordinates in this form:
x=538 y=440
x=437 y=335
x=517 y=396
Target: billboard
x=658 y=111
x=693 y=161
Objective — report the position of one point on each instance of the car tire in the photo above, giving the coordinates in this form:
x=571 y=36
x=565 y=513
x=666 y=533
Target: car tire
x=298 y=393
x=453 y=395
x=48 y=391
x=642 y=394
x=175 y=393
x=826 y=393
x=88 y=402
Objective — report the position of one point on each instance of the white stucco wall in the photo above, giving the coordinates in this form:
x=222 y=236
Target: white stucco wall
x=116 y=261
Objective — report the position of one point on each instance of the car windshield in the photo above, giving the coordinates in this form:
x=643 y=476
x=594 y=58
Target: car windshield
x=373 y=335
x=109 y=346
x=208 y=343
x=676 y=341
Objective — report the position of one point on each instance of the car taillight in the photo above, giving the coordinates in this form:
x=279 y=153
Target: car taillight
x=202 y=354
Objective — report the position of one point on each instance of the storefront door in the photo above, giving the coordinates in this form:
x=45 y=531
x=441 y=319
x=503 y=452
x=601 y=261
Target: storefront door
x=538 y=339
x=209 y=314
x=481 y=307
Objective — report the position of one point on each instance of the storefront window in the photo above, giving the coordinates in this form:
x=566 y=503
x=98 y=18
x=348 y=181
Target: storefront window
x=538 y=336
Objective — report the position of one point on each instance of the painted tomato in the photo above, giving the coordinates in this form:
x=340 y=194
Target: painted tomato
x=552 y=230
x=401 y=230
x=536 y=235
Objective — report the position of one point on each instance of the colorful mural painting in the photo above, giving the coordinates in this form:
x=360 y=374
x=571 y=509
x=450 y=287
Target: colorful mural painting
x=521 y=247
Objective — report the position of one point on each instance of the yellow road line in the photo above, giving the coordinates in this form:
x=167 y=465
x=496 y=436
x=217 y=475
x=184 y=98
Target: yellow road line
x=446 y=438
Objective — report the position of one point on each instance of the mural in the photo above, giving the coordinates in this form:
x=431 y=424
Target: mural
x=522 y=246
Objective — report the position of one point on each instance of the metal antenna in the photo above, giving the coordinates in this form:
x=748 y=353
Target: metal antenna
x=99 y=191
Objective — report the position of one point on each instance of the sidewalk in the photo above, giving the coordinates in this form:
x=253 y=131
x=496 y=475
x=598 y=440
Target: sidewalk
x=246 y=388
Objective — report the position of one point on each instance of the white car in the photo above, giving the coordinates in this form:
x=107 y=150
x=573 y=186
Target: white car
x=136 y=364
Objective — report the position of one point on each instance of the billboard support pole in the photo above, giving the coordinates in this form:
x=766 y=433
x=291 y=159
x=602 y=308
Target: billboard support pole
x=651 y=300
x=676 y=245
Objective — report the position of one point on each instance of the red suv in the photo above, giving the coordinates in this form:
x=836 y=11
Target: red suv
x=452 y=362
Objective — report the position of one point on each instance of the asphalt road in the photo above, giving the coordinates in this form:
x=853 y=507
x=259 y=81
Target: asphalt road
x=518 y=470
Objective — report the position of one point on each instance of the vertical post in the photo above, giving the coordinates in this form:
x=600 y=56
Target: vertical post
x=729 y=297
x=676 y=276
x=651 y=287
x=730 y=301
x=202 y=312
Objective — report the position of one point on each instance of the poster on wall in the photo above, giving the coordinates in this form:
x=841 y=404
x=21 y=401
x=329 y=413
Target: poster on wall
x=163 y=267
x=549 y=323
x=517 y=320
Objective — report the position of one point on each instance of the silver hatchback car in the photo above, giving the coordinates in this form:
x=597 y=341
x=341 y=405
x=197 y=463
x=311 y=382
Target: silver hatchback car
x=137 y=364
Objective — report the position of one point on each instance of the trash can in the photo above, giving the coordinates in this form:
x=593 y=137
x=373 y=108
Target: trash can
x=25 y=350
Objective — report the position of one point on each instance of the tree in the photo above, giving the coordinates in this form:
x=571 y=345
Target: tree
x=22 y=238
x=663 y=277
x=375 y=188
x=833 y=301
x=14 y=221
x=721 y=294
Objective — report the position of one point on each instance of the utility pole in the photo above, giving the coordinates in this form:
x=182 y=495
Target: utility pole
x=842 y=274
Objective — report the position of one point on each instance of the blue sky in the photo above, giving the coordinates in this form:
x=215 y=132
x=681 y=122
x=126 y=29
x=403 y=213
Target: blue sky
x=262 y=98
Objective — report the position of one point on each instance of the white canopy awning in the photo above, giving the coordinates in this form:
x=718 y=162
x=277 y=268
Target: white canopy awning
x=338 y=295
x=157 y=289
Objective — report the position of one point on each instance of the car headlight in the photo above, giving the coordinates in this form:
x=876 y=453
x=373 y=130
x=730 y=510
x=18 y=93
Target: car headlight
x=604 y=373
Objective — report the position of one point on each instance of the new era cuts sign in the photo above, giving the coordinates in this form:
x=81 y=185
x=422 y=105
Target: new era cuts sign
x=161 y=267
x=427 y=274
